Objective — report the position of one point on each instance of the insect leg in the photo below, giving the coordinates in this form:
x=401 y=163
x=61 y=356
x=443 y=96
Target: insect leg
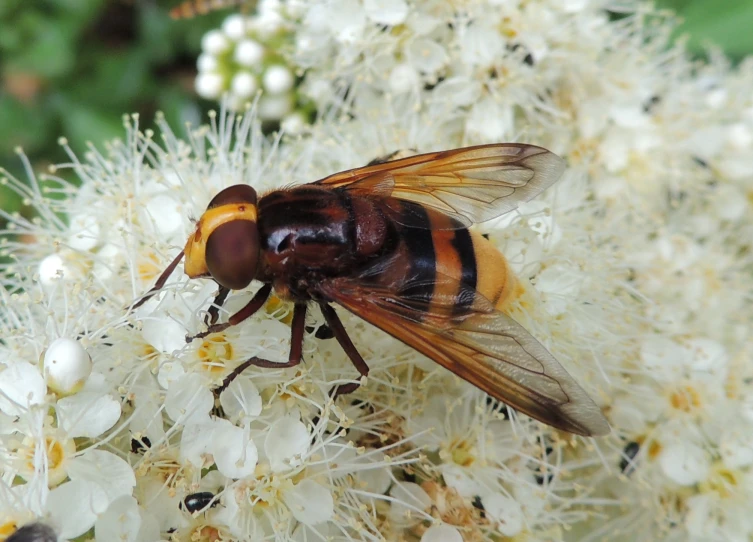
x=214 y=311
x=294 y=358
x=334 y=323
x=251 y=307
x=160 y=281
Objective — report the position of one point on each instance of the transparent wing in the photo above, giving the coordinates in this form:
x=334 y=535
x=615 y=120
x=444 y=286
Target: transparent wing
x=484 y=346
x=472 y=184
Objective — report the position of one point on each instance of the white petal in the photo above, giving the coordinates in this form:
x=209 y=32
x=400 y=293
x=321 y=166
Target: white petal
x=87 y=414
x=150 y=528
x=286 y=439
x=310 y=503
x=403 y=78
x=196 y=441
x=488 y=121
x=112 y=473
x=84 y=232
x=375 y=480
x=233 y=450
x=736 y=446
x=709 y=356
x=442 y=533
x=21 y=385
x=241 y=399
x=189 y=400
x=166 y=214
x=389 y=12
x=427 y=55
x=169 y=372
x=121 y=521
x=505 y=511
x=684 y=463
x=346 y=20
x=163 y=333
x=459 y=91
x=74 y=506
x=410 y=501
x=481 y=45
x=458 y=478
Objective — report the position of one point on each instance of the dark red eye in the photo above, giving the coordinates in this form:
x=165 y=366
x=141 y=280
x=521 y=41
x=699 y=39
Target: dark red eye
x=232 y=253
x=238 y=193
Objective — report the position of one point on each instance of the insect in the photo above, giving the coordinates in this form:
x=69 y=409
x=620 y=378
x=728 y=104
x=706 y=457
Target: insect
x=196 y=502
x=33 y=532
x=390 y=243
x=192 y=8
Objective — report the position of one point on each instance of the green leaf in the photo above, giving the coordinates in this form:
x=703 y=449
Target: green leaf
x=727 y=24
x=82 y=123
x=21 y=125
x=48 y=52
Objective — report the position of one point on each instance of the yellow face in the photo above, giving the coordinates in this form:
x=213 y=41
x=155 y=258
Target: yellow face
x=196 y=247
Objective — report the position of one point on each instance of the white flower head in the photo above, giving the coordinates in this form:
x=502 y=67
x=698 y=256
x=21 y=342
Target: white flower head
x=633 y=270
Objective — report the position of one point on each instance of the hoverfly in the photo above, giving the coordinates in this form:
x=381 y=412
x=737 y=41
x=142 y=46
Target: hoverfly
x=192 y=8
x=390 y=243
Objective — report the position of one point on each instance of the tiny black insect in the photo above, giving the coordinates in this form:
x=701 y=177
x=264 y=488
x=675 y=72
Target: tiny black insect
x=196 y=502
x=141 y=445
x=627 y=463
x=33 y=532
x=479 y=505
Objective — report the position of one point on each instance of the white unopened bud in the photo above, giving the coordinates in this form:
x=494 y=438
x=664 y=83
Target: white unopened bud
x=274 y=107
x=215 y=42
x=207 y=63
x=67 y=365
x=234 y=27
x=248 y=53
x=293 y=123
x=51 y=269
x=278 y=79
x=244 y=84
x=209 y=85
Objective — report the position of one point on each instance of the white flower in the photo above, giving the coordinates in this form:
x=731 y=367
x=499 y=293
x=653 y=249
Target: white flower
x=633 y=270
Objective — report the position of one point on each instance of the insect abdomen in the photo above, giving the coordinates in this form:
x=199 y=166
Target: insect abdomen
x=448 y=264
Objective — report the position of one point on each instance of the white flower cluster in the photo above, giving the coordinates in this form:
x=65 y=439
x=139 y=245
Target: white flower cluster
x=635 y=271
x=245 y=57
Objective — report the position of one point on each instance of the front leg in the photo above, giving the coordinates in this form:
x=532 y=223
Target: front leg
x=214 y=310
x=294 y=358
x=249 y=310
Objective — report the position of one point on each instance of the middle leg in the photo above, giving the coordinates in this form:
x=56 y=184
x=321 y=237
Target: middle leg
x=334 y=323
x=294 y=358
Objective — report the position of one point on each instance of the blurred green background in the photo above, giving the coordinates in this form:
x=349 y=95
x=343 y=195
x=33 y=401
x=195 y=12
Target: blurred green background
x=74 y=67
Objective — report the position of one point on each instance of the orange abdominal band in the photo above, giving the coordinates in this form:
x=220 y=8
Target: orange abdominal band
x=196 y=263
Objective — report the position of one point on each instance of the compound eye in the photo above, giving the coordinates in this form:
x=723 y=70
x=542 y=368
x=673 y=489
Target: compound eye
x=238 y=193
x=232 y=253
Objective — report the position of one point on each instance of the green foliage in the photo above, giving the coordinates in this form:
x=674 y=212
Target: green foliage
x=725 y=23
x=74 y=67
